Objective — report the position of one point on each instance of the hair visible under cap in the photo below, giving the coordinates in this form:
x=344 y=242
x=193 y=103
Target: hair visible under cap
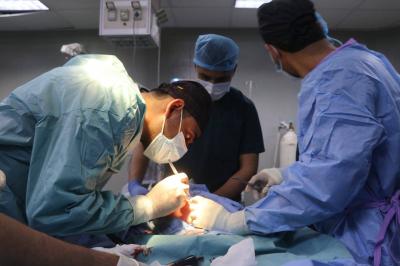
x=197 y=100
x=289 y=25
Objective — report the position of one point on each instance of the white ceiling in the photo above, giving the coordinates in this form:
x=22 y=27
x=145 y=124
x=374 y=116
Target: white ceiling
x=84 y=14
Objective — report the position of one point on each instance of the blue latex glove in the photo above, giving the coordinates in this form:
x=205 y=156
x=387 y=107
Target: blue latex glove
x=135 y=188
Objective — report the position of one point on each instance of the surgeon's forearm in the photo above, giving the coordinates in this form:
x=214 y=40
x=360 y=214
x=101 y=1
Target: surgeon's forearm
x=20 y=245
x=237 y=182
x=138 y=164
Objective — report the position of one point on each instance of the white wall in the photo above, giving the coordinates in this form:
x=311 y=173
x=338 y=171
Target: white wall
x=25 y=55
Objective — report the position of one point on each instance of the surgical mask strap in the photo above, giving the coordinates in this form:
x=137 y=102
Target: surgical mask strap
x=277 y=62
x=180 y=123
x=163 y=124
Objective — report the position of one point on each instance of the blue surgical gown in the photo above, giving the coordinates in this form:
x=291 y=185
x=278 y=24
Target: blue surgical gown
x=349 y=141
x=62 y=135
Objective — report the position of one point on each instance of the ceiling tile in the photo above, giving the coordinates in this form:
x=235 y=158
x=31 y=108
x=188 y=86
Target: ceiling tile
x=244 y=18
x=334 y=16
x=72 y=4
x=81 y=19
x=83 y=14
x=381 y=5
x=200 y=3
x=38 y=21
x=202 y=17
x=361 y=19
x=348 y=4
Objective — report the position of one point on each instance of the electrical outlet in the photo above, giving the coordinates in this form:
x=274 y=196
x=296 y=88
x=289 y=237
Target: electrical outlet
x=124 y=14
x=112 y=15
x=137 y=14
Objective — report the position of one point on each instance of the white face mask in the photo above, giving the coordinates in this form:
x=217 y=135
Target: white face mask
x=216 y=90
x=163 y=150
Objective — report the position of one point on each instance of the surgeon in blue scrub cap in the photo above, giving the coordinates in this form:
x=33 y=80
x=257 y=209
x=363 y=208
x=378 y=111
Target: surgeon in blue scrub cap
x=216 y=53
x=347 y=180
x=63 y=134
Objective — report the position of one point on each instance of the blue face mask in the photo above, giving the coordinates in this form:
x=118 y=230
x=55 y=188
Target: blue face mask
x=279 y=69
x=277 y=64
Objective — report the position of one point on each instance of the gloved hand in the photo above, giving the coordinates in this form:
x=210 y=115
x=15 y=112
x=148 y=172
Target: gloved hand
x=125 y=261
x=168 y=195
x=210 y=215
x=135 y=188
x=202 y=190
x=126 y=253
x=266 y=178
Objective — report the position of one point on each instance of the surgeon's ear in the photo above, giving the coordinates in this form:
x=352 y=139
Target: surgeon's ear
x=174 y=106
x=271 y=50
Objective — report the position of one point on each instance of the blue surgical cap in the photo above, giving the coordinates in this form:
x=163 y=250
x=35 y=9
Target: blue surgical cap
x=323 y=23
x=216 y=53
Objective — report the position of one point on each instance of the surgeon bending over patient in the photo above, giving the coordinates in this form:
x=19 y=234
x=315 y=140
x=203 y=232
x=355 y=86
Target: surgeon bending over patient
x=63 y=134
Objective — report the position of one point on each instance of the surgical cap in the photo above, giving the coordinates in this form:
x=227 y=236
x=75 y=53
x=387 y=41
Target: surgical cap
x=290 y=25
x=216 y=53
x=325 y=29
x=322 y=22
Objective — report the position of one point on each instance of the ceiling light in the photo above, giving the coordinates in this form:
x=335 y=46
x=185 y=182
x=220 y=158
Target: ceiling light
x=250 y=3
x=15 y=6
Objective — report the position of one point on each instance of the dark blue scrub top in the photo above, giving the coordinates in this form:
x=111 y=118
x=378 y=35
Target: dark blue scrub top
x=233 y=129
